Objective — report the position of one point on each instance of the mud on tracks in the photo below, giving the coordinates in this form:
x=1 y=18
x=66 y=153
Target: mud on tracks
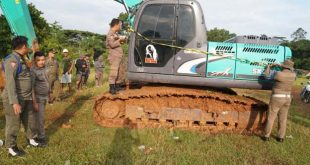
x=164 y=106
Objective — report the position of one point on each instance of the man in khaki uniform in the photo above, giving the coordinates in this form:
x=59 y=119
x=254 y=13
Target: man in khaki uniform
x=53 y=70
x=17 y=97
x=115 y=55
x=280 y=100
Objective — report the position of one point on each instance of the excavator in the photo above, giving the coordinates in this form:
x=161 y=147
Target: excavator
x=185 y=77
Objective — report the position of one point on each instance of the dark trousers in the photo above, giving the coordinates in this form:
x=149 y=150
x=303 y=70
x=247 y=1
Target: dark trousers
x=39 y=116
x=13 y=122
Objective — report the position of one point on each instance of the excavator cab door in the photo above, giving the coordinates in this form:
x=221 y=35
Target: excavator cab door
x=173 y=24
x=157 y=24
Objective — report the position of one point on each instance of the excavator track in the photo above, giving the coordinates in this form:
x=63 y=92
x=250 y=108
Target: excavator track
x=180 y=107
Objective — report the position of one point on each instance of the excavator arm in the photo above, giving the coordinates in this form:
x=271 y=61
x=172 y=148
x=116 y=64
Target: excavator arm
x=18 y=17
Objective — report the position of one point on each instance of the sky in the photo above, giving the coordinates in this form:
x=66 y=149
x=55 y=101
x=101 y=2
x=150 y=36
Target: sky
x=243 y=17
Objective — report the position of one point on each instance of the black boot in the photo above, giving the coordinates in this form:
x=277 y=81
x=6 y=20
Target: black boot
x=264 y=138
x=119 y=87
x=112 y=89
x=281 y=140
x=42 y=141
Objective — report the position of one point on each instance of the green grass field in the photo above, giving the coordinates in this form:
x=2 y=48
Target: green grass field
x=87 y=143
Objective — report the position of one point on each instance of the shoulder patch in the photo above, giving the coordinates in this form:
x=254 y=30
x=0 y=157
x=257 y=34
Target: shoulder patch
x=13 y=64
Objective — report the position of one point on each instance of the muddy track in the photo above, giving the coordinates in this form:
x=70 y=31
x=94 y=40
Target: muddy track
x=195 y=109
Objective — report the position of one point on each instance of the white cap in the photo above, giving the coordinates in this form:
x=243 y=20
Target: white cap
x=65 y=51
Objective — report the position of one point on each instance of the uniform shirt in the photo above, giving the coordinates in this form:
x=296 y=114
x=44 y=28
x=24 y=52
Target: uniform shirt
x=113 y=45
x=67 y=63
x=17 y=87
x=96 y=55
x=40 y=82
x=284 y=81
x=52 y=67
x=99 y=66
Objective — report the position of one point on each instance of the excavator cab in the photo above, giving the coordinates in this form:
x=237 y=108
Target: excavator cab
x=175 y=23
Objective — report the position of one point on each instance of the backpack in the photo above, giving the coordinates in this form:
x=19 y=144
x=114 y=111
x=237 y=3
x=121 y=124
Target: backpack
x=2 y=68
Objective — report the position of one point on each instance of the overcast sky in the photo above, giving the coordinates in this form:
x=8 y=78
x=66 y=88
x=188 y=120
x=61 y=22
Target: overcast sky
x=271 y=17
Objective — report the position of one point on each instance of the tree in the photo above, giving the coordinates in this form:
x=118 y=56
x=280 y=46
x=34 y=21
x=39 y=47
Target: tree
x=219 y=35
x=41 y=27
x=123 y=16
x=85 y=41
x=55 y=39
x=5 y=37
x=301 y=53
x=299 y=34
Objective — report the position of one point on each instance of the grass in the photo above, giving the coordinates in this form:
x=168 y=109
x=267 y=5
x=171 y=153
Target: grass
x=88 y=143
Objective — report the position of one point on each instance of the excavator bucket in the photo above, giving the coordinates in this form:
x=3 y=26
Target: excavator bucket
x=18 y=17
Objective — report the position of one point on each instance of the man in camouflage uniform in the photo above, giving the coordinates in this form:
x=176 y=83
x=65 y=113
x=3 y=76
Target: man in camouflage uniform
x=281 y=98
x=115 y=55
x=17 y=97
x=52 y=67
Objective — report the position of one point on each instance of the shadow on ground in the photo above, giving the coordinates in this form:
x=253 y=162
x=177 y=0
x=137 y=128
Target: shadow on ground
x=120 y=150
x=69 y=112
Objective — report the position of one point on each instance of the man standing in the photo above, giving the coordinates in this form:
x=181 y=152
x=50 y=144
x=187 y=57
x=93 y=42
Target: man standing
x=80 y=66
x=87 y=70
x=52 y=68
x=99 y=66
x=40 y=94
x=67 y=70
x=97 y=54
x=115 y=55
x=280 y=100
x=17 y=97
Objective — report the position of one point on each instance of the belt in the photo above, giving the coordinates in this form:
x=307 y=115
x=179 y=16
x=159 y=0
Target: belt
x=281 y=95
